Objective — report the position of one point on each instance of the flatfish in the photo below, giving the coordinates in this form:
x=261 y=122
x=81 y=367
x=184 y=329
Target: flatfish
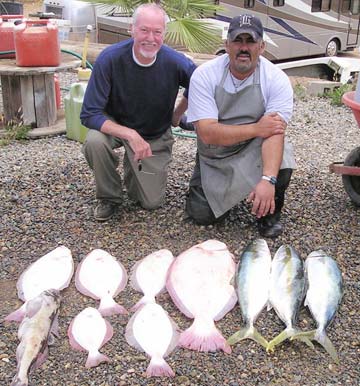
x=101 y=276
x=199 y=283
x=89 y=331
x=149 y=275
x=152 y=330
x=51 y=271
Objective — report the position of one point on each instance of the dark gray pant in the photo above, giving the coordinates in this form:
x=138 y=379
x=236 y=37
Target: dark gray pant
x=198 y=208
x=146 y=187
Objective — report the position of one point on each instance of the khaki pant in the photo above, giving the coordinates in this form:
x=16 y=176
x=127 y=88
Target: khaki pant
x=146 y=187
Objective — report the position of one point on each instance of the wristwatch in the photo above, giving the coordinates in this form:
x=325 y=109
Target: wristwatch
x=271 y=179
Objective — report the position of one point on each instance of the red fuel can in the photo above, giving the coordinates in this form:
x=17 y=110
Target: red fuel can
x=7 y=43
x=37 y=44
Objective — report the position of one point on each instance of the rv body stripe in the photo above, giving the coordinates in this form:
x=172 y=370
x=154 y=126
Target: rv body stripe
x=292 y=33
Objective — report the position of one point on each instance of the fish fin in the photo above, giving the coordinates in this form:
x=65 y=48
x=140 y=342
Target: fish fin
x=287 y=333
x=73 y=343
x=268 y=306
x=133 y=279
x=194 y=339
x=111 y=308
x=305 y=336
x=248 y=333
x=158 y=367
x=108 y=334
x=322 y=339
x=54 y=329
x=17 y=315
x=40 y=359
x=144 y=300
x=94 y=359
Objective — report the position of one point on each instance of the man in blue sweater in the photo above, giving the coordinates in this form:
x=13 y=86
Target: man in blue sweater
x=130 y=102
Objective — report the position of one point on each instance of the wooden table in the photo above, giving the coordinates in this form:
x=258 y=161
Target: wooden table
x=28 y=93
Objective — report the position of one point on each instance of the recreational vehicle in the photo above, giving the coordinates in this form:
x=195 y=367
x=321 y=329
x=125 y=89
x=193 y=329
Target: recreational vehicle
x=300 y=28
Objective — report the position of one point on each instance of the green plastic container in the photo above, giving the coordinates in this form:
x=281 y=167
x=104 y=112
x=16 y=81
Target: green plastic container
x=73 y=102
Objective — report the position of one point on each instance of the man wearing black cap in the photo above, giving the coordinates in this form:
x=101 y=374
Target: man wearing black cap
x=240 y=104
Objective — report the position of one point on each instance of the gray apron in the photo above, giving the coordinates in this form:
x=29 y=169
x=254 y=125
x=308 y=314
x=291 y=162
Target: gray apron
x=230 y=173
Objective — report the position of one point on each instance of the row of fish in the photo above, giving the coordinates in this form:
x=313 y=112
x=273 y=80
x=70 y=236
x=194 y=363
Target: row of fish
x=282 y=284
x=199 y=282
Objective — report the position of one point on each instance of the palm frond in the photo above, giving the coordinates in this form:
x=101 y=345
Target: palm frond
x=195 y=35
x=196 y=9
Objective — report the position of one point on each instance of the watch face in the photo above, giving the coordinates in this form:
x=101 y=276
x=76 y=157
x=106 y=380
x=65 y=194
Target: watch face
x=273 y=180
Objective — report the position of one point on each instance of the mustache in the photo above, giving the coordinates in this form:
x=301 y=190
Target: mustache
x=243 y=53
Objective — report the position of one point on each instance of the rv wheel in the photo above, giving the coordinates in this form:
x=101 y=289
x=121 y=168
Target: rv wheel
x=352 y=183
x=332 y=48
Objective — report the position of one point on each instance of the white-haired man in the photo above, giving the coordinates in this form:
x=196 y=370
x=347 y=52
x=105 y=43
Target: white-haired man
x=129 y=102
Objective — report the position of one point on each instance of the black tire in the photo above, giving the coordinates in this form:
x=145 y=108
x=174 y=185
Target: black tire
x=352 y=183
x=332 y=48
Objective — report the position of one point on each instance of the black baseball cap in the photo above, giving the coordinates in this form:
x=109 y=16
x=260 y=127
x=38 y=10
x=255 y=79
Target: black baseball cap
x=245 y=24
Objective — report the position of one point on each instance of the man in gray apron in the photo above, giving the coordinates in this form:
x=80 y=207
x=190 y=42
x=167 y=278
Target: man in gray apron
x=240 y=104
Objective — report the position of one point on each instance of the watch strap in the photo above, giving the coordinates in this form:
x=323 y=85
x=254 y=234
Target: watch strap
x=271 y=179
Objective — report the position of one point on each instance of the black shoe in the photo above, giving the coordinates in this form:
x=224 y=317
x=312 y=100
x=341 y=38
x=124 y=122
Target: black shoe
x=104 y=210
x=268 y=227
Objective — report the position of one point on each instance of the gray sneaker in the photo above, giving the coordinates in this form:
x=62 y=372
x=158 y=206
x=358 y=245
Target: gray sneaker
x=104 y=210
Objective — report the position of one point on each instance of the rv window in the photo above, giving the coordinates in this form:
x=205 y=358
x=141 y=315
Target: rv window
x=249 y=3
x=345 y=7
x=320 y=5
x=355 y=7
x=279 y=3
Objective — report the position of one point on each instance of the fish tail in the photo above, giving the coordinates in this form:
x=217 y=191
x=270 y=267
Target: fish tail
x=112 y=310
x=287 y=333
x=18 y=382
x=94 y=359
x=195 y=339
x=305 y=336
x=159 y=368
x=248 y=333
x=324 y=340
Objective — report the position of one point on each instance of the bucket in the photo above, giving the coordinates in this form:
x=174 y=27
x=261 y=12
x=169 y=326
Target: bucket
x=7 y=42
x=37 y=44
x=349 y=100
x=63 y=28
x=73 y=102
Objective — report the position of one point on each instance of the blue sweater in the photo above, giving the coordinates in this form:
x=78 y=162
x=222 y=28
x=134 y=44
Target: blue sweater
x=141 y=98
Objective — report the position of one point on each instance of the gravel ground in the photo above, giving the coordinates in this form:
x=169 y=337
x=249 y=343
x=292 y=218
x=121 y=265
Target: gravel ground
x=46 y=200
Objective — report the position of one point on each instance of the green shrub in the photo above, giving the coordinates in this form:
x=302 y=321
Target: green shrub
x=336 y=94
x=14 y=131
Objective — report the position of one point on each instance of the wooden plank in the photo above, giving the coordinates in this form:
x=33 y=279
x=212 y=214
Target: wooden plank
x=10 y=86
x=28 y=101
x=41 y=113
x=50 y=98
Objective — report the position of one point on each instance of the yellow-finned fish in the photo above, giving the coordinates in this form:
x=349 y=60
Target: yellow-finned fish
x=252 y=281
x=36 y=332
x=323 y=297
x=287 y=290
